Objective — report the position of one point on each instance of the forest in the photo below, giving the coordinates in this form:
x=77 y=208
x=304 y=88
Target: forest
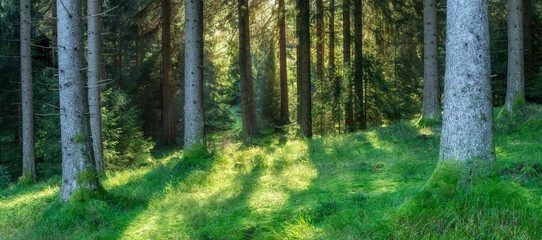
x=271 y=119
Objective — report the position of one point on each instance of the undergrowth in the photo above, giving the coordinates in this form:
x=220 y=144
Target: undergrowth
x=367 y=185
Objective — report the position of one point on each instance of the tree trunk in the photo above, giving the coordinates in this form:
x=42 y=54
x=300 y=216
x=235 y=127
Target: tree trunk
x=194 y=133
x=29 y=153
x=54 y=36
x=347 y=72
x=78 y=167
x=168 y=125
x=299 y=61
x=284 y=111
x=515 y=88
x=248 y=107
x=94 y=73
x=529 y=40
x=431 y=95
x=467 y=128
x=358 y=68
x=305 y=45
x=336 y=82
x=320 y=50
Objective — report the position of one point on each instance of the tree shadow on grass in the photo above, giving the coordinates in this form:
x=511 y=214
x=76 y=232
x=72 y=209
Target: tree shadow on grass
x=107 y=216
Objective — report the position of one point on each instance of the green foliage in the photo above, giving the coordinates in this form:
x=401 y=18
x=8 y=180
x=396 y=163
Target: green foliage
x=525 y=116
x=124 y=143
x=87 y=176
x=4 y=177
x=324 y=188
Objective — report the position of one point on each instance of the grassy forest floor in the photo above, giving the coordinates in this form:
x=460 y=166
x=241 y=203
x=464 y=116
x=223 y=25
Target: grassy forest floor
x=359 y=186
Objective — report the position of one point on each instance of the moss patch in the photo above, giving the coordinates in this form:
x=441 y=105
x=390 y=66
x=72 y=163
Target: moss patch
x=444 y=181
x=428 y=122
x=87 y=176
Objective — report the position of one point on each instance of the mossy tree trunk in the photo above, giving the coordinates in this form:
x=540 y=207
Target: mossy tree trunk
x=27 y=96
x=515 y=88
x=467 y=129
x=248 y=107
x=431 y=91
x=194 y=117
x=305 y=47
x=78 y=167
x=94 y=77
x=284 y=111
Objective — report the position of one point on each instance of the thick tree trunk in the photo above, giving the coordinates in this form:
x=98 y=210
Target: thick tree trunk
x=358 y=68
x=248 y=107
x=284 y=111
x=29 y=153
x=467 y=128
x=431 y=95
x=78 y=167
x=168 y=124
x=347 y=70
x=305 y=45
x=515 y=89
x=94 y=73
x=194 y=133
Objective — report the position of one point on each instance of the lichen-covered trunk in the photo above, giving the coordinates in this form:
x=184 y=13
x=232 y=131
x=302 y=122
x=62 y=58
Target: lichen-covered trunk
x=193 y=55
x=305 y=45
x=284 y=111
x=467 y=128
x=515 y=87
x=347 y=70
x=168 y=125
x=248 y=108
x=29 y=153
x=358 y=66
x=431 y=91
x=94 y=74
x=78 y=167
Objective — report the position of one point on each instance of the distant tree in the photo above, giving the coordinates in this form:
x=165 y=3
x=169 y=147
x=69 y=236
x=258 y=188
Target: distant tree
x=194 y=133
x=320 y=52
x=358 y=66
x=431 y=95
x=335 y=82
x=284 y=111
x=27 y=96
x=347 y=69
x=299 y=64
x=168 y=123
x=467 y=129
x=78 y=167
x=303 y=8
x=248 y=107
x=515 y=89
x=94 y=78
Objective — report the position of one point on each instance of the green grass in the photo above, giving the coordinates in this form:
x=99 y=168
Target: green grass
x=360 y=186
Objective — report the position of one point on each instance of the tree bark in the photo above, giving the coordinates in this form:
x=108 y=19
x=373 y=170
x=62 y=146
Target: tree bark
x=299 y=61
x=78 y=167
x=431 y=91
x=529 y=40
x=284 y=111
x=248 y=107
x=358 y=68
x=305 y=45
x=168 y=125
x=94 y=73
x=336 y=82
x=467 y=128
x=347 y=71
x=320 y=50
x=194 y=133
x=29 y=153
x=515 y=89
